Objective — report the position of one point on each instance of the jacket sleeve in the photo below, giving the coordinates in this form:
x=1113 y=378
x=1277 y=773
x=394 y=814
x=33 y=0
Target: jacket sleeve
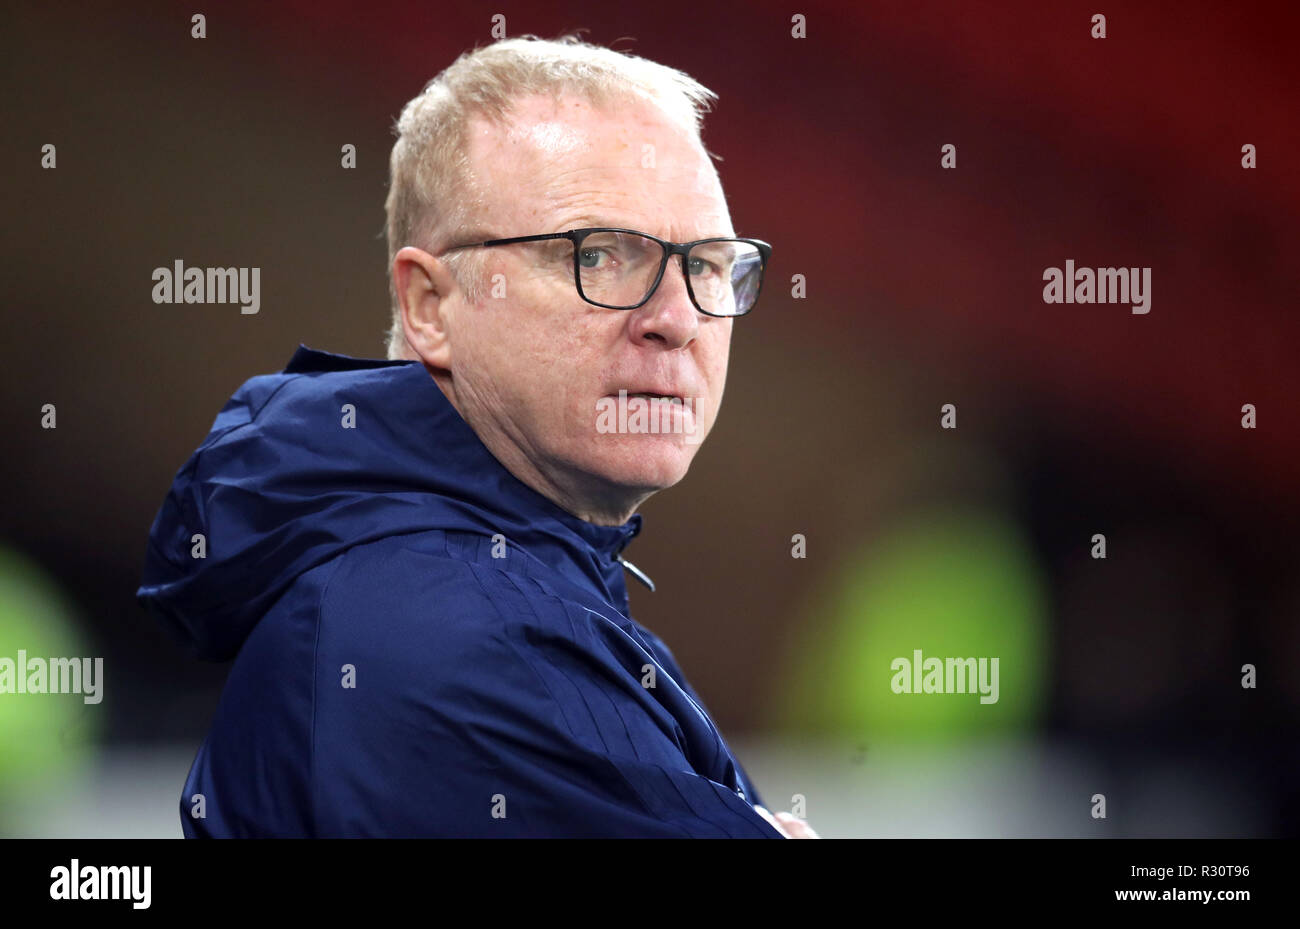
x=504 y=732
x=669 y=661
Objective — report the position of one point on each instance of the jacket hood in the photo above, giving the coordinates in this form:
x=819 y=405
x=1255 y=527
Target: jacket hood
x=281 y=484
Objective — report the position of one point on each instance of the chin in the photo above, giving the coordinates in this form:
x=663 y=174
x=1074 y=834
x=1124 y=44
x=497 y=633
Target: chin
x=650 y=463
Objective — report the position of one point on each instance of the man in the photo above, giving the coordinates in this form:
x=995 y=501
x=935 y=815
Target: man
x=416 y=562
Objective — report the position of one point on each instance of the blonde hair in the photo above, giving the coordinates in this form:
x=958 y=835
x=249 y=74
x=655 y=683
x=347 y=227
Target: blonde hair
x=431 y=193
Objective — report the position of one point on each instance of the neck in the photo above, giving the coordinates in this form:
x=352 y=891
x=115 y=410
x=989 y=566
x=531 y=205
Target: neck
x=584 y=496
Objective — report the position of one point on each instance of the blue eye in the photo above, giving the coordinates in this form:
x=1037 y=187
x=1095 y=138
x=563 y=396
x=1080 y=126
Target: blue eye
x=590 y=257
x=698 y=266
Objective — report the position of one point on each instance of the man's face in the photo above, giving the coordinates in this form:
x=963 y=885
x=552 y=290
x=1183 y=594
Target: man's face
x=533 y=365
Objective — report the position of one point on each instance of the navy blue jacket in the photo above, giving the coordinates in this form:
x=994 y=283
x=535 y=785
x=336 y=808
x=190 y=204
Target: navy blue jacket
x=422 y=644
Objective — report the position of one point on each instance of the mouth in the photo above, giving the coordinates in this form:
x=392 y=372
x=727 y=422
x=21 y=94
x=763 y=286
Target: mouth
x=661 y=411
x=651 y=395
x=650 y=392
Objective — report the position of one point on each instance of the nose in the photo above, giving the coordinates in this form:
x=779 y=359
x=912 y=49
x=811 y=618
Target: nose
x=669 y=319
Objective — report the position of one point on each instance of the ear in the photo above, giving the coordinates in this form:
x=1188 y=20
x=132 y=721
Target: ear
x=423 y=285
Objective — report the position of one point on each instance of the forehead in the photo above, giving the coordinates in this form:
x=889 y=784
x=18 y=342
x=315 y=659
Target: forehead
x=562 y=161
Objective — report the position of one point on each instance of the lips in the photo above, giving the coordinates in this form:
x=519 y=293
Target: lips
x=653 y=392
x=654 y=395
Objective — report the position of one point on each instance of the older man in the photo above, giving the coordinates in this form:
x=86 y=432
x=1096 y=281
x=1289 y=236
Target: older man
x=417 y=563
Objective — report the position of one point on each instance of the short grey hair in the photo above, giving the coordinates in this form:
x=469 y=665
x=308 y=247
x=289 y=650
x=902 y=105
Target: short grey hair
x=431 y=194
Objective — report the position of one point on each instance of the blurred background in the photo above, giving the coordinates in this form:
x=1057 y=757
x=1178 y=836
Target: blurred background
x=1119 y=676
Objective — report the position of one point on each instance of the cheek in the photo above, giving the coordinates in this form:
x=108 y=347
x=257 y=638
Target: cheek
x=714 y=371
x=548 y=353
x=714 y=363
x=517 y=326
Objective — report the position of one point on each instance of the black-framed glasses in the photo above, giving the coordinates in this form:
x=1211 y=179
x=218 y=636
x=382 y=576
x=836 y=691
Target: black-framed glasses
x=620 y=269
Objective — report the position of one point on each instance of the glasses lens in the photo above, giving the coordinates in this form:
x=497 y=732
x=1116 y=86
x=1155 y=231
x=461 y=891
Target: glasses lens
x=617 y=269
x=726 y=276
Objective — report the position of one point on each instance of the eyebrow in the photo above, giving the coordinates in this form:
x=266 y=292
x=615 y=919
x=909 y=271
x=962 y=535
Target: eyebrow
x=586 y=221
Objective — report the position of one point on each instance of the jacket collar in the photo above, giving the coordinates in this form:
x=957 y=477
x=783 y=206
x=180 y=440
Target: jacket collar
x=453 y=449
x=456 y=456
